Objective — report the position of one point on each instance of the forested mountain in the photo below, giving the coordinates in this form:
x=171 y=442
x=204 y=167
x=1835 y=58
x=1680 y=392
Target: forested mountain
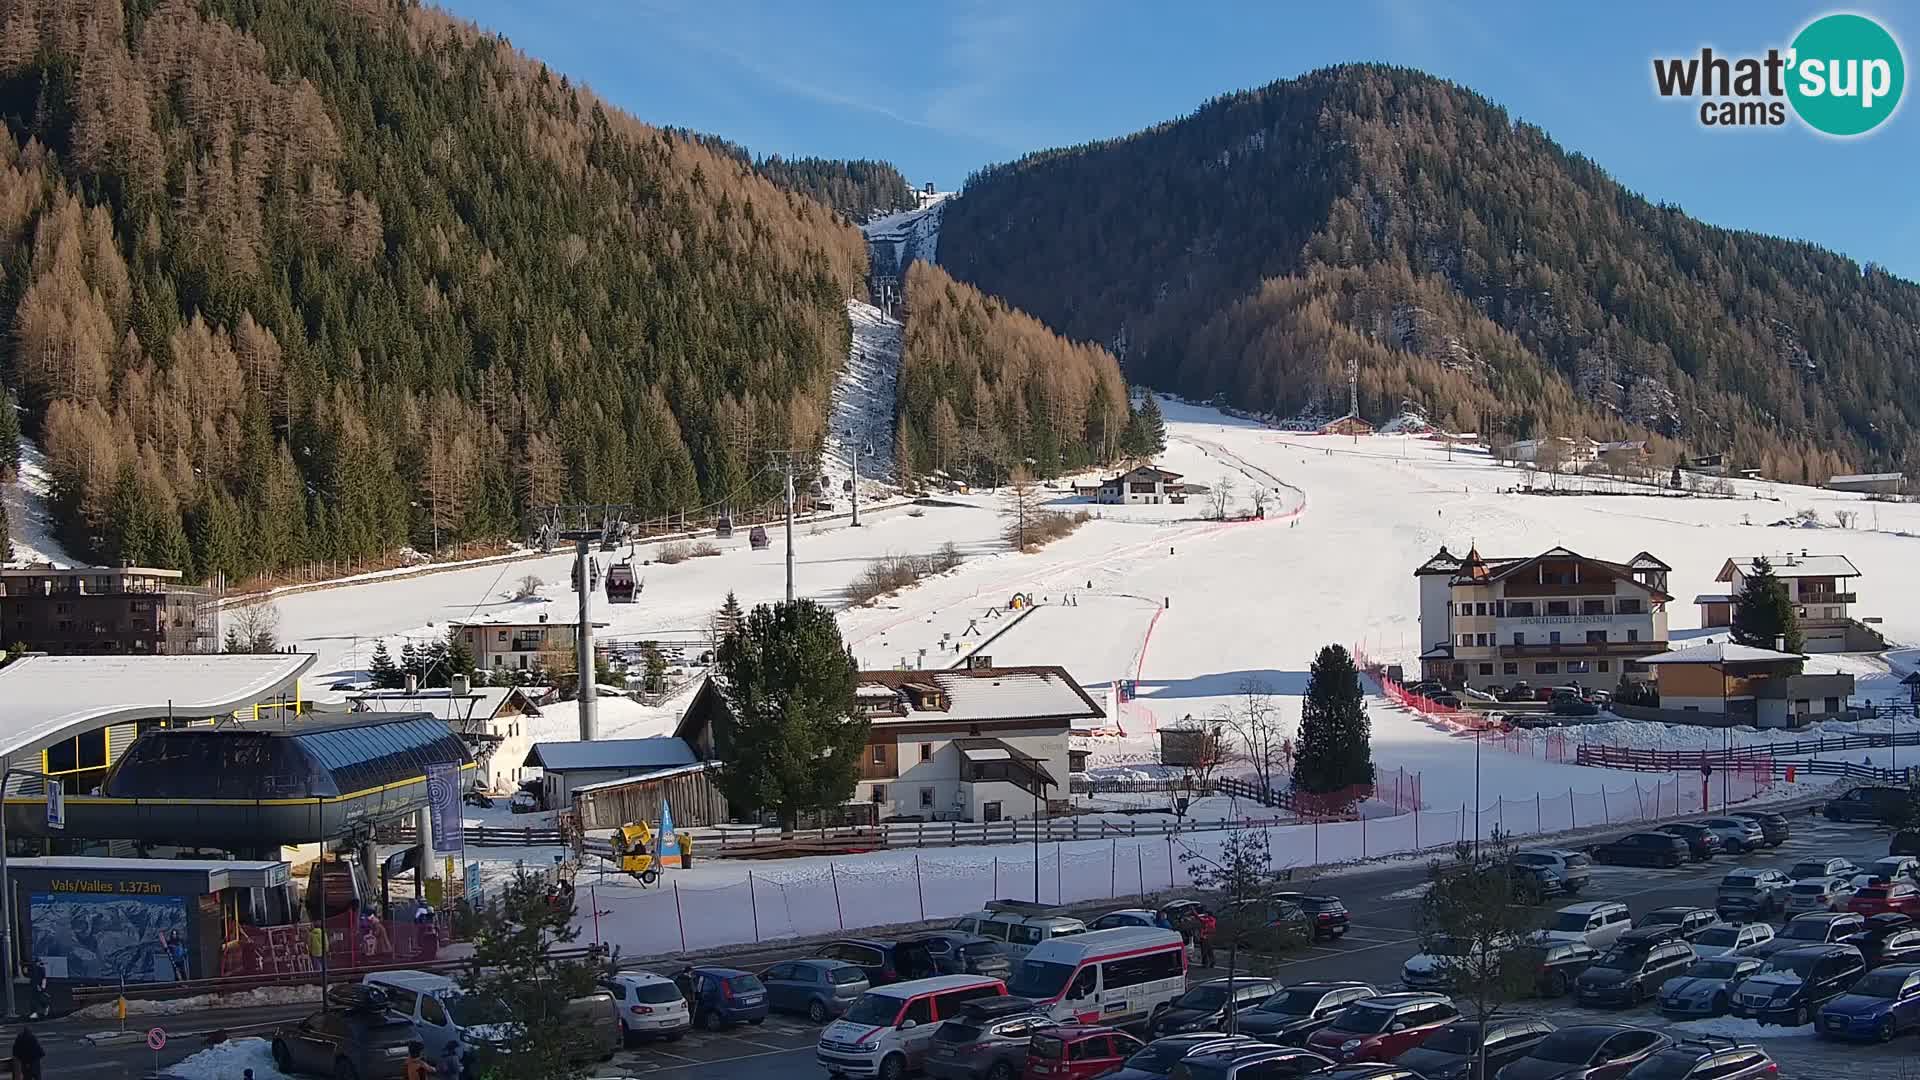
x=985 y=388
x=311 y=279
x=856 y=189
x=1471 y=265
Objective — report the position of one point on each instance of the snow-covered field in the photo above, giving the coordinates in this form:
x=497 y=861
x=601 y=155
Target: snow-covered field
x=1195 y=611
x=28 y=518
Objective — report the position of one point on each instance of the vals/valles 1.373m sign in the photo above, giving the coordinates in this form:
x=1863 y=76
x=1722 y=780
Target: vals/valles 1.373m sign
x=1843 y=75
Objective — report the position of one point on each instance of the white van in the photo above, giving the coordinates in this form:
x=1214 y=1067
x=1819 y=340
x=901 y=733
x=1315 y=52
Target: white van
x=1110 y=977
x=1019 y=930
x=1595 y=922
x=440 y=1011
x=886 y=1031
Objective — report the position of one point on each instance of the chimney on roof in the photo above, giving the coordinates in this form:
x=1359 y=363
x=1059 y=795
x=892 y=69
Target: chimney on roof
x=543 y=618
x=413 y=684
x=459 y=684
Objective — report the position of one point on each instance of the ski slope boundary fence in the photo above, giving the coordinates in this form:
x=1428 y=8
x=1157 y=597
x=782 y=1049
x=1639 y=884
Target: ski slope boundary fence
x=821 y=895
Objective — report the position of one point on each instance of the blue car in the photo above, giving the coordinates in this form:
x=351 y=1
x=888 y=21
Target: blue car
x=1884 y=1003
x=721 y=997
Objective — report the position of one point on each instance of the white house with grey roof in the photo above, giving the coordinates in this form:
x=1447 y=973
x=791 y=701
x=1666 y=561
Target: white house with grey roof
x=570 y=766
x=1821 y=588
x=971 y=744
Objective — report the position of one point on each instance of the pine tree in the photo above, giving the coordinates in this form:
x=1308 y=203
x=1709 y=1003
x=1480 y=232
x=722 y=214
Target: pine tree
x=1153 y=427
x=386 y=675
x=9 y=437
x=1336 y=751
x=411 y=662
x=520 y=937
x=459 y=658
x=727 y=620
x=6 y=533
x=792 y=744
x=436 y=664
x=1764 y=616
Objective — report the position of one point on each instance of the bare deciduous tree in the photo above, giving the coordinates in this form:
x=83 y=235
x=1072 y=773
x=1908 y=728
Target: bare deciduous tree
x=1265 y=738
x=527 y=587
x=1220 y=499
x=252 y=628
x=1260 y=497
x=1022 y=501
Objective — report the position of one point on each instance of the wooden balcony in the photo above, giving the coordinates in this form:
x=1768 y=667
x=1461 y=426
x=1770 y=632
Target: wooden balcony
x=1634 y=649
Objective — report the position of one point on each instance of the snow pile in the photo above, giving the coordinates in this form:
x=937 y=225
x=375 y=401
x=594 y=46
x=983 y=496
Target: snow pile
x=228 y=1061
x=244 y=999
x=863 y=399
x=29 y=517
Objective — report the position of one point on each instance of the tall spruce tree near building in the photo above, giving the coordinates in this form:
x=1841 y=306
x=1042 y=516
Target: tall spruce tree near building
x=1765 y=617
x=385 y=673
x=9 y=437
x=1336 y=749
x=793 y=744
x=520 y=941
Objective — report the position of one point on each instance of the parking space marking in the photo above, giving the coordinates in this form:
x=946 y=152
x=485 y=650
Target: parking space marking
x=731 y=1060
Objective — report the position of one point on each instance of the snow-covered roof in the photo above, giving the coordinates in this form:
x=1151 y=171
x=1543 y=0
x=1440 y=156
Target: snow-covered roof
x=528 y=613
x=979 y=694
x=480 y=704
x=1720 y=652
x=650 y=774
x=44 y=699
x=1793 y=566
x=639 y=755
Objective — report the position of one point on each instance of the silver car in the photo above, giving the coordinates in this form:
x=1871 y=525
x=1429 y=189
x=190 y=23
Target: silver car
x=1707 y=987
x=1723 y=938
x=1819 y=894
x=1737 y=835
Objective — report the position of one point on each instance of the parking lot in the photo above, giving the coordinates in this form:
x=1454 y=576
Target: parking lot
x=1381 y=938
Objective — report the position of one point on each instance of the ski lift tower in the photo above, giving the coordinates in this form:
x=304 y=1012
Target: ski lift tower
x=585 y=526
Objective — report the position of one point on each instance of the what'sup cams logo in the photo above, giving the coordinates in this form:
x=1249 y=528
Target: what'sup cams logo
x=1842 y=76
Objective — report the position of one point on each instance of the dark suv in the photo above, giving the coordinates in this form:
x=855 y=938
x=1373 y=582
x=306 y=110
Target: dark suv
x=1451 y=1052
x=1644 y=849
x=367 y=1043
x=1703 y=843
x=1813 y=928
x=1796 y=982
x=1882 y=804
x=987 y=1041
x=1288 y=1017
x=1631 y=971
x=1207 y=1006
x=958 y=953
x=883 y=962
x=1328 y=913
x=1382 y=1028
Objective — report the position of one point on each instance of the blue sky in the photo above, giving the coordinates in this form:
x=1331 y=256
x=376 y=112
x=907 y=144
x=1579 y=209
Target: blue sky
x=941 y=90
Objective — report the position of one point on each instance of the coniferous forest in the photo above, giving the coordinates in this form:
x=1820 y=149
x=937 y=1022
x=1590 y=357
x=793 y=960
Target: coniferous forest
x=986 y=389
x=291 y=280
x=1471 y=266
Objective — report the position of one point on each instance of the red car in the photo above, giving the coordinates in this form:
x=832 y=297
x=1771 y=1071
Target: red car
x=1077 y=1052
x=1384 y=1027
x=1877 y=899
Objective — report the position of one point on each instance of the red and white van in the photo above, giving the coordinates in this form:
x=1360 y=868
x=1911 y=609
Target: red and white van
x=886 y=1031
x=1110 y=977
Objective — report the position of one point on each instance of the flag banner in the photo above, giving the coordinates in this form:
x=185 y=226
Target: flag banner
x=443 y=801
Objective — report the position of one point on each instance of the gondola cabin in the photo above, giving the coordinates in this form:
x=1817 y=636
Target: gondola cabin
x=723 y=527
x=758 y=538
x=620 y=584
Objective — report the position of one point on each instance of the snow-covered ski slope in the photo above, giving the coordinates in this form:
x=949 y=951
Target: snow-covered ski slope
x=29 y=519
x=863 y=402
x=1194 y=609
x=898 y=239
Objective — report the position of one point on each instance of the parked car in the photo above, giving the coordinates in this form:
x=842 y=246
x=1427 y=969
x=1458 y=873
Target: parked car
x=1575 y=707
x=1706 y=988
x=722 y=997
x=1895 y=868
x=1816 y=928
x=1076 y=1052
x=1252 y=1063
x=1249 y=1062
x=1288 y=1017
x=1830 y=866
x=1382 y=1028
x=882 y=962
x=1691 y=921
x=1020 y=925
x=1904 y=842
x=1596 y=922
x=957 y=953
x=1519 y=691
x=1723 y=939
x=1557 y=964
x=1644 y=849
x=1708 y=1059
x=1451 y=1052
x=1882 y=1004
x=1156 y=1059
x=1125 y=917
x=1646 y=937
x=1888 y=943
x=1587 y=1052
x=650 y=1006
x=1702 y=843
x=369 y=1043
x=1737 y=835
x=1631 y=972
x=1177 y=912
x=1774 y=826
x=1899 y=897
x=1206 y=1007
x=1434 y=966
x=1284 y=920
x=1367 y=1072
x=1752 y=893
x=1867 y=803
x=889 y=1031
x=1819 y=894
x=819 y=989
x=1795 y=983
x=987 y=1040
x=1328 y=914
x=1574 y=868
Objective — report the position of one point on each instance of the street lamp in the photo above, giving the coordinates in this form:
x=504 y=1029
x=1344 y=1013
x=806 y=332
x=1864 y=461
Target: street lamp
x=1476 y=792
